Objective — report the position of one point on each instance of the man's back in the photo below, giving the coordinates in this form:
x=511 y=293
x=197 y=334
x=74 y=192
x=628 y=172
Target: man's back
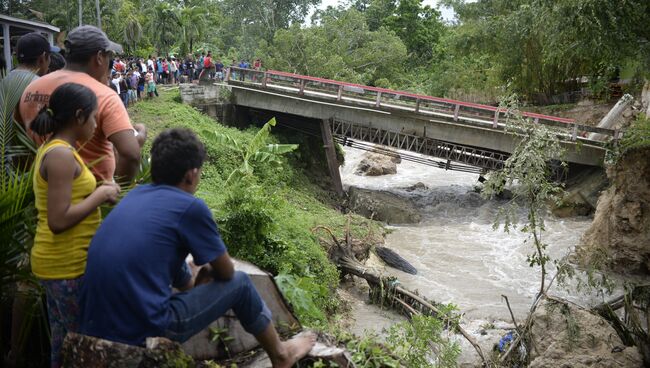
x=135 y=256
x=111 y=116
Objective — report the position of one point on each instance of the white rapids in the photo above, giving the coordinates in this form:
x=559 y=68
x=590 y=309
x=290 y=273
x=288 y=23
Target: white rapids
x=459 y=257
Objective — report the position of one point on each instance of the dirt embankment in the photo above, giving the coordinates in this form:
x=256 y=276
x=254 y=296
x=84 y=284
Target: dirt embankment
x=619 y=237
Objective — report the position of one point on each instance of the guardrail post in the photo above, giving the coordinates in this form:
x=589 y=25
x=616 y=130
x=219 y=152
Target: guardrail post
x=574 y=135
x=378 y=102
x=495 y=124
x=456 y=111
x=302 y=87
x=264 y=80
x=339 y=94
x=417 y=105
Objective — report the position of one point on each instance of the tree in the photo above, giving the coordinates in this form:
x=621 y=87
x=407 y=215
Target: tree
x=162 y=27
x=589 y=38
x=193 y=20
x=419 y=26
x=341 y=47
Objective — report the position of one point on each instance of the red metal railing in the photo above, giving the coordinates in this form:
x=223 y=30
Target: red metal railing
x=387 y=98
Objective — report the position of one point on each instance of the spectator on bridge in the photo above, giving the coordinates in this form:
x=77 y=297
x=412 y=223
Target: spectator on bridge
x=243 y=65
x=207 y=66
x=218 y=67
x=165 y=221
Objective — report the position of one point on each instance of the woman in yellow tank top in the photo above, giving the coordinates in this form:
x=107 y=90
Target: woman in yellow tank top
x=67 y=200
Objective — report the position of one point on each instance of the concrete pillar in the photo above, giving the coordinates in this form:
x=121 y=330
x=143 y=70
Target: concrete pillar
x=330 y=154
x=6 y=38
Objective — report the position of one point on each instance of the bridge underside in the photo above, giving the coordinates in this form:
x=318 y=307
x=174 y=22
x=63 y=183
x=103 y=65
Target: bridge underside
x=467 y=143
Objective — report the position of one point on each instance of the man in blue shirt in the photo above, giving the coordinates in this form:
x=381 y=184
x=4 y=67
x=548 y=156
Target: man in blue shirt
x=138 y=255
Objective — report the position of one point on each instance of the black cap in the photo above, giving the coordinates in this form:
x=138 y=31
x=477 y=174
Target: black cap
x=31 y=46
x=88 y=39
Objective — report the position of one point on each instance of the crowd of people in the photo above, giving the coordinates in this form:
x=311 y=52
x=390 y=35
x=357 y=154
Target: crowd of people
x=136 y=78
x=113 y=278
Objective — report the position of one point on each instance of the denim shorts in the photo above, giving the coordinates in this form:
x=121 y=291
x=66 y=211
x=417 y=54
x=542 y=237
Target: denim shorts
x=197 y=308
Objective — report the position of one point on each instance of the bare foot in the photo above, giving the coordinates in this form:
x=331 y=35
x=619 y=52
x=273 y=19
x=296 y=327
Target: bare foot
x=294 y=350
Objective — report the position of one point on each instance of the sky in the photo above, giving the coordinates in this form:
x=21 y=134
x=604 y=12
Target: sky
x=446 y=13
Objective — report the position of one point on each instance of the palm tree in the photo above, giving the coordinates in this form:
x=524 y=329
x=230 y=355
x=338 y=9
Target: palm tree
x=193 y=21
x=164 y=22
x=132 y=32
x=17 y=217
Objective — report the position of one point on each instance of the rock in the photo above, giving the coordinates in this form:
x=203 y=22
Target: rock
x=201 y=346
x=416 y=186
x=375 y=164
x=619 y=237
x=395 y=260
x=81 y=351
x=383 y=206
x=566 y=335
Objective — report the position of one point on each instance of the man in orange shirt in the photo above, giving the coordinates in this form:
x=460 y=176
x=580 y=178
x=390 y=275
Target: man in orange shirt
x=88 y=56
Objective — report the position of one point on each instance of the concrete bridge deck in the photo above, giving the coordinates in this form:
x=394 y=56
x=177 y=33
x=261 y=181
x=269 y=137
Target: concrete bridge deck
x=479 y=131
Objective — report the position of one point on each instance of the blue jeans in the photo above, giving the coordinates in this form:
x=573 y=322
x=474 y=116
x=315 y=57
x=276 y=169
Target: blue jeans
x=195 y=309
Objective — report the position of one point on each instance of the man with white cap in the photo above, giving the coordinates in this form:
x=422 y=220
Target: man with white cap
x=89 y=55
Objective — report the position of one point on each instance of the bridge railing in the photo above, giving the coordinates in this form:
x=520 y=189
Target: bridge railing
x=407 y=102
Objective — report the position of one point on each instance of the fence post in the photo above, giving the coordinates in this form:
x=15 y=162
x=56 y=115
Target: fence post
x=495 y=124
x=340 y=93
x=227 y=75
x=417 y=105
x=302 y=87
x=264 y=80
x=456 y=111
x=574 y=135
x=378 y=102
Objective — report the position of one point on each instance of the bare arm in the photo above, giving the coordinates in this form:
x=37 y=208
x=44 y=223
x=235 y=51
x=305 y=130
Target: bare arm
x=60 y=166
x=141 y=131
x=222 y=267
x=128 y=151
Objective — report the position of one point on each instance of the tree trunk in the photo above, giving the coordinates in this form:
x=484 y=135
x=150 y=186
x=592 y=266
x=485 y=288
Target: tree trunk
x=80 y=13
x=99 y=14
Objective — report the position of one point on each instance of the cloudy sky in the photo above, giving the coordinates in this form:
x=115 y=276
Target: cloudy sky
x=446 y=13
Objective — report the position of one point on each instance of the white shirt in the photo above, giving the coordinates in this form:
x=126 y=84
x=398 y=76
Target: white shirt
x=116 y=83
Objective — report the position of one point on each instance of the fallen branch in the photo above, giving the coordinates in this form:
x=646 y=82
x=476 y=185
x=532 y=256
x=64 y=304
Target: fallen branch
x=511 y=314
x=355 y=268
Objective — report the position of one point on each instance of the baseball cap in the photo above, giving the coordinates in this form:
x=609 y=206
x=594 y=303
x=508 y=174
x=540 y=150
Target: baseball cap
x=88 y=39
x=32 y=45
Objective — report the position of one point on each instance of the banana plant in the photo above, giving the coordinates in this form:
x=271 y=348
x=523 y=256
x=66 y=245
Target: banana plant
x=258 y=151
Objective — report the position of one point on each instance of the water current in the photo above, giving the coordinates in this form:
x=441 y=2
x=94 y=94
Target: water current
x=460 y=258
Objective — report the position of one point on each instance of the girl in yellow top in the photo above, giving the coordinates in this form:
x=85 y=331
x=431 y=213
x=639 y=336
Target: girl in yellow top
x=67 y=200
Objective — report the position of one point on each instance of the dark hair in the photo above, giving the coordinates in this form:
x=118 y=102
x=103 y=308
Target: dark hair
x=64 y=103
x=56 y=62
x=173 y=153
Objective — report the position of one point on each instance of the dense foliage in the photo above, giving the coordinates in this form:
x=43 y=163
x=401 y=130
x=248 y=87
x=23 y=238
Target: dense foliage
x=546 y=51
